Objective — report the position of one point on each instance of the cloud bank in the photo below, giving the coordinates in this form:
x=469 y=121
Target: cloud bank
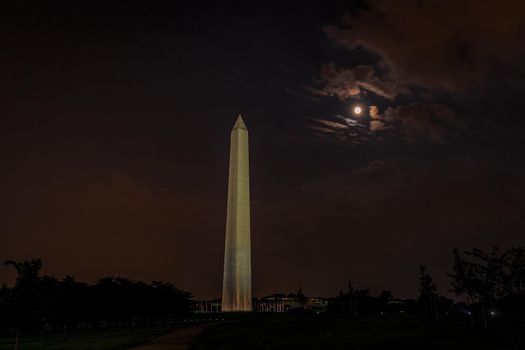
x=427 y=49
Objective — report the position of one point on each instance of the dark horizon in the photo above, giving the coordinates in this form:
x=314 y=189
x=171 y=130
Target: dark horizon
x=115 y=124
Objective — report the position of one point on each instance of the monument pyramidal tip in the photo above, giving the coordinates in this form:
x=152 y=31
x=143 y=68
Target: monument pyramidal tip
x=237 y=278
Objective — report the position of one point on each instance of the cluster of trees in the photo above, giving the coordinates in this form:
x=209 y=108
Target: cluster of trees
x=355 y=301
x=492 y=282
x=37 y=303
x=430 y=302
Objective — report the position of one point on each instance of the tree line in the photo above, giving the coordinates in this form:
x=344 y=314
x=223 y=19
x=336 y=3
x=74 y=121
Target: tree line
x=44 y=303
x=492 y=285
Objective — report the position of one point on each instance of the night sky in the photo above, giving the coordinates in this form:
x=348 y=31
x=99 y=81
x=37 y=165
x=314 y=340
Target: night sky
x=115 y=123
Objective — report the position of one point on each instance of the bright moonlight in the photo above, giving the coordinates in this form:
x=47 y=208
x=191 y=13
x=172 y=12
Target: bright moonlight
x=357 y=110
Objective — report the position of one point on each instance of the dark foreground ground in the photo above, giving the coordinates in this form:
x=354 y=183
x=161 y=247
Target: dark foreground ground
x=365 y=332
x=93 y=339
x=285 y=331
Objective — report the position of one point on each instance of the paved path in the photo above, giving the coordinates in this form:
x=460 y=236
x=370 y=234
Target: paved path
x=176 y=340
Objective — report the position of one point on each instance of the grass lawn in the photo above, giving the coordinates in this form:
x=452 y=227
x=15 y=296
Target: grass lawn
x=91 y=339
x=365 y=332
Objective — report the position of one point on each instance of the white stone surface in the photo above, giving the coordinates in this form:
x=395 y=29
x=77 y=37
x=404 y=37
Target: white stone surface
x=237 y=279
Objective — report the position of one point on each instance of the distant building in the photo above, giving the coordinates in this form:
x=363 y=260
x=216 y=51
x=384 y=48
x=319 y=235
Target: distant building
x=272 y=303
x=207 y=306
x=283 y=303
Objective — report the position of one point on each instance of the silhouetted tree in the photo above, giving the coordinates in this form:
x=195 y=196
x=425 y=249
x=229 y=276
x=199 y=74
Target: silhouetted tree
x=383 y=299
x=428 y=294
x=353 y=301
x=487 y=279
x=36 y=303
x=26 y=310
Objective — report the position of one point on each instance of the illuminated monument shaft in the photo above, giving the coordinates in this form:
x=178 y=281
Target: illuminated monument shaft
x=237 y=279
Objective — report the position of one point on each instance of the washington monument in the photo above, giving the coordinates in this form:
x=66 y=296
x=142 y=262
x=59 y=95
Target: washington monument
x=237 y=279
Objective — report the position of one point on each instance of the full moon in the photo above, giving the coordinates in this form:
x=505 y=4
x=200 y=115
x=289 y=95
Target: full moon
x=357 y=110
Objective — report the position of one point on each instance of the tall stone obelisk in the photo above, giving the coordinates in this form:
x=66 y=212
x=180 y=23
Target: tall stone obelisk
x=237 y=279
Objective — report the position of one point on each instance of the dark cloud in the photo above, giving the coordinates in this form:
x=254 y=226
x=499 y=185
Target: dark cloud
x=437 y=43
x=345 y=83
x=342 y=129
x=436 y=122
x=427 y=50
x=376 y=125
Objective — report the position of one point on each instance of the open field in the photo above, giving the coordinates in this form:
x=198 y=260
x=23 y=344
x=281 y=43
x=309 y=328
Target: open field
x=365 y=332
x=285 y=331
x=91 y=339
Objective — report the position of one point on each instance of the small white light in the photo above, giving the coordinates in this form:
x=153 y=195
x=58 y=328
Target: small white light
x=357 y=110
